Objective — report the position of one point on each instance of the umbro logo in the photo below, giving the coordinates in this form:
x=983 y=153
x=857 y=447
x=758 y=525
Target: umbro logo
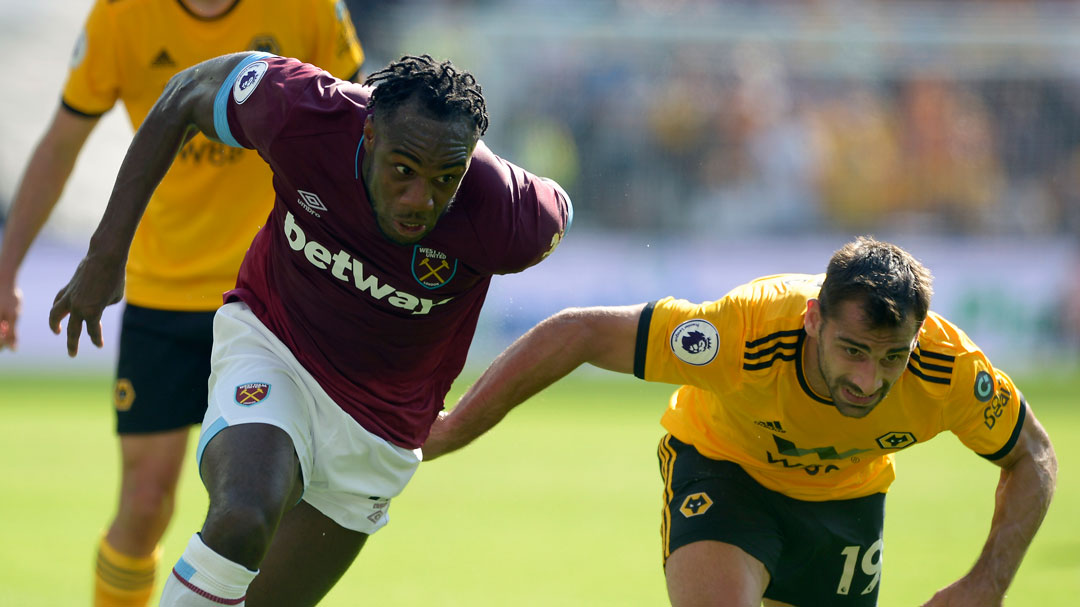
x=310 y=202
x=163 y=59
x=774 y=426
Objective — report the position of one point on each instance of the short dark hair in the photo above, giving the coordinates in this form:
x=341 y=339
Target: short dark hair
x=890 y=282
x=442 y=89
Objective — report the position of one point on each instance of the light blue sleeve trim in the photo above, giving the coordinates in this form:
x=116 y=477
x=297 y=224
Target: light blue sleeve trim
x=569 y=214
x=356 y=162
x=569 y=203
x=221 y=114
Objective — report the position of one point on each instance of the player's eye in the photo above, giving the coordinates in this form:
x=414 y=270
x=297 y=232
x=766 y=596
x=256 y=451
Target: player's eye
x=402 y=169
x=446 y=179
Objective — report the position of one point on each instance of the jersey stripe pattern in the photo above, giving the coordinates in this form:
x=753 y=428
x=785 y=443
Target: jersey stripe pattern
x=743 y=395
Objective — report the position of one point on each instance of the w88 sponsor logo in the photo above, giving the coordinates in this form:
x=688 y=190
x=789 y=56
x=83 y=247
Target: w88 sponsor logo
x=201 y=150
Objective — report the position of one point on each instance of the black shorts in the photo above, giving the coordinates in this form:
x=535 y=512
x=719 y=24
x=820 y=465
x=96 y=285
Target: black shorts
x=817 y=553
x=162 y=370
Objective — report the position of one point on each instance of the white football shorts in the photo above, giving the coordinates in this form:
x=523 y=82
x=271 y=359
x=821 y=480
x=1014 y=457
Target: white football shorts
x=349 y=473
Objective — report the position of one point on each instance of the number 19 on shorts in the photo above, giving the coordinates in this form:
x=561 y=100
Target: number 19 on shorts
x=869 y=562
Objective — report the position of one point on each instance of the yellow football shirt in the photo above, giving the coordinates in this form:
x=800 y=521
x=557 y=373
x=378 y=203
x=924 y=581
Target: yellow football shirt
x=213 y=200
x=746 y=399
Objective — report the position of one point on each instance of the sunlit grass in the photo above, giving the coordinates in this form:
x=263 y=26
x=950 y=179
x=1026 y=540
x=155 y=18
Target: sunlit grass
x=557 y=506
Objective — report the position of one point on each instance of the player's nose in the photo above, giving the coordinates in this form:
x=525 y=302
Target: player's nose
x=418 y=197
x=868 y=379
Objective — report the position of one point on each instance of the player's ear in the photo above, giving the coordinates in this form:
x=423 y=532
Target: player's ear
x=918 y=332
x=812 y=319
x=369 y=133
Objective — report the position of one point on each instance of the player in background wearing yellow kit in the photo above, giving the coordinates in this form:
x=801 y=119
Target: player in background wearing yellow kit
x=796 y=393
x=189 y=244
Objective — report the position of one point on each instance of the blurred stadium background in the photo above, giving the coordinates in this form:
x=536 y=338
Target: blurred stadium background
x=704 y=143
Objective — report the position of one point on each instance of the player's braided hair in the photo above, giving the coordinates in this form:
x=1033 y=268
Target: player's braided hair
x=442 y=89
x=891 y=283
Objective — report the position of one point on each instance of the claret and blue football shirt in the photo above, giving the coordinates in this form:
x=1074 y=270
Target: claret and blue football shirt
x=384 y=327
x=209 y=205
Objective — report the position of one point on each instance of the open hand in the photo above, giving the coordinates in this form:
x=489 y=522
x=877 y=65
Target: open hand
x=10 y=308
x=94 y=286
x=964 y=594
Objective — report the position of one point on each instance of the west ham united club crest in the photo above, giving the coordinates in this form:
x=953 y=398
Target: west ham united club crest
x=252 y=394
x=432 y=268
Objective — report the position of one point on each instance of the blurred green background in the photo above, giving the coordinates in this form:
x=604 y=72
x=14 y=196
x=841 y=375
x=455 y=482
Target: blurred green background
x=557 y=506
x=704 y=143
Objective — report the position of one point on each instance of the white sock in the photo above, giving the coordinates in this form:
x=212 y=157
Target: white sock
x=203 y=577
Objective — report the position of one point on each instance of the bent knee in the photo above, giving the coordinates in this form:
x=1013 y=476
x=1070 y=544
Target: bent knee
x=240 y=532
x=714 y=573
x=149 y=501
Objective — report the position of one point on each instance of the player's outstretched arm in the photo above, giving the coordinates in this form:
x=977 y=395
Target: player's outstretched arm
x=185 y=107
x=1028 y=477
x=603 y=336
x=39 y=190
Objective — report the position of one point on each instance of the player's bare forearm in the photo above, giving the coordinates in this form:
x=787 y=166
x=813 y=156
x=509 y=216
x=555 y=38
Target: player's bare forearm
x=604 y=337
x=39 y=190
x=1028 y=478
x=185 y=107
x=1023 y=497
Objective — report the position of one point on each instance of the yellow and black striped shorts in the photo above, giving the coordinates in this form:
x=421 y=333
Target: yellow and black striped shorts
x=816 y=553
x=162 y=369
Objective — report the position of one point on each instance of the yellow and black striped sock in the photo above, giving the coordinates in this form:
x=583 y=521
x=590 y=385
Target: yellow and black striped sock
x=121 y=580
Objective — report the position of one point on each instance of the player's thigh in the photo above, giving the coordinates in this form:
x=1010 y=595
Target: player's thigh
x=152 y=462
x=250 y=465
x=350 y=475
x=162 y=369
x=714 y=500
x=837 y=560
x=714 y=573
x=308 y=555
x=256 y=438
x=720 y=534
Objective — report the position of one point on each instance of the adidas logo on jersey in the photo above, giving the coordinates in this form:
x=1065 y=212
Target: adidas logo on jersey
x=341 y=264
x=163 y=59
x=774 y=426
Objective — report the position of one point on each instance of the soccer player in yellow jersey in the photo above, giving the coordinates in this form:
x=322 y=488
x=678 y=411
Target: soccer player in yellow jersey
x=796 y=393
x=189 y=244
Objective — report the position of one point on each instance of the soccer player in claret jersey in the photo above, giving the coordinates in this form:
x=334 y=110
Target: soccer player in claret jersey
x=796 y=393
x=188 y=247
x=354 y=307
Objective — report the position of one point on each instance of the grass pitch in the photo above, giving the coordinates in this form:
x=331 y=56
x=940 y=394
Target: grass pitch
x=558 y=506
